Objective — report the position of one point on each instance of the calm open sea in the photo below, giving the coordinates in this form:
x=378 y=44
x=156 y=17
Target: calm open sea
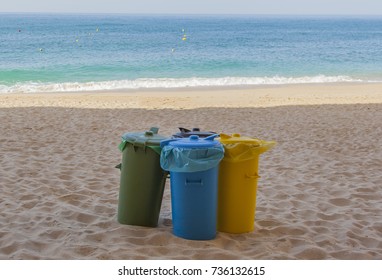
x=53 y=52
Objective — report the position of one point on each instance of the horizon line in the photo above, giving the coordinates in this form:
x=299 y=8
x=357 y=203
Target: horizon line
x=192 y=14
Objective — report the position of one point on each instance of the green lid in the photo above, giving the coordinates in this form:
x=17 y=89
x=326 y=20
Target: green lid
x=146 y=138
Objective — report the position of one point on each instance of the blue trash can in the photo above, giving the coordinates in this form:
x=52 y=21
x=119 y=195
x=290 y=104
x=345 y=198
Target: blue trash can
x=193 y=164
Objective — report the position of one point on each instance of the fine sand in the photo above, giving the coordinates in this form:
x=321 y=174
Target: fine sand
x=319 y=195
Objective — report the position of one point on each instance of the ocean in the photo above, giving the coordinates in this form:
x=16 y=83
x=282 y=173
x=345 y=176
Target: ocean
x=76 y=52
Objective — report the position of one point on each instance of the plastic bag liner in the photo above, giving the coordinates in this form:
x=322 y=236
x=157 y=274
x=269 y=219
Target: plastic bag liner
x=242 y=152
x=177 y=159
x=124 y=143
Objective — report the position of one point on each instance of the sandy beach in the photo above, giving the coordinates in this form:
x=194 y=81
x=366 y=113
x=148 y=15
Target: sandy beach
x=319 y=195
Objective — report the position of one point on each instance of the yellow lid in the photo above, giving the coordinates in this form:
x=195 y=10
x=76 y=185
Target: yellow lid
x=236 y=138
x=236 y=144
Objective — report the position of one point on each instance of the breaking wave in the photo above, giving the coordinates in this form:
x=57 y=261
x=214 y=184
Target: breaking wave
x=168 y=83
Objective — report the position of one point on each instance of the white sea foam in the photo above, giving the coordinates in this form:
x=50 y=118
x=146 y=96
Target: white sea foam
x=170 y=83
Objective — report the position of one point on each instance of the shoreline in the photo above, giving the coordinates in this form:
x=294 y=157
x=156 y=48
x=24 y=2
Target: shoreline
x=188 y=98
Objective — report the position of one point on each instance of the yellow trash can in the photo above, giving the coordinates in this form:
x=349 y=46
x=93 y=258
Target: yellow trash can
x=237 y=183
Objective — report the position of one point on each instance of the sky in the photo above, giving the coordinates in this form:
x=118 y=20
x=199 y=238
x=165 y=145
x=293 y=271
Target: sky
x=294 y=7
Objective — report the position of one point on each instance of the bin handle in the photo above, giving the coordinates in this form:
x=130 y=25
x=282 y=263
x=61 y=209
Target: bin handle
x=155 y=130
x=211 y=137
x=254 y=176
x=194 y=182
x=184 y=130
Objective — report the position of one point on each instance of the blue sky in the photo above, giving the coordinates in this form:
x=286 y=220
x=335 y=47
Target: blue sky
x=322 y=7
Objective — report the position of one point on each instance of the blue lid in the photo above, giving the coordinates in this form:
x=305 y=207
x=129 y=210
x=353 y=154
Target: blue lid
x=194 y=141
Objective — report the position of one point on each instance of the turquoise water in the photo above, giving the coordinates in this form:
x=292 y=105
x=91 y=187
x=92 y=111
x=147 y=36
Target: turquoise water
x=42 y=52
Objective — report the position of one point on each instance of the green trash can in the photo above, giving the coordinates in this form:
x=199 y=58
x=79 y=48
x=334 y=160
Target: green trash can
x=142 y=179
